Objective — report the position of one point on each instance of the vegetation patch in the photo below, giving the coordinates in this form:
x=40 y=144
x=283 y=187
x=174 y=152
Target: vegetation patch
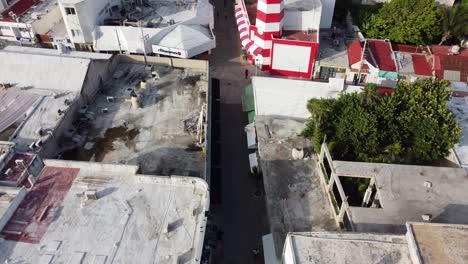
x=411 y=126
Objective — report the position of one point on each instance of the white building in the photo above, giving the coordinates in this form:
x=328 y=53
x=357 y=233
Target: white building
x=80 y=212
x=43 y=90
x=179 y=29
x=423 y=243
x=28 y=21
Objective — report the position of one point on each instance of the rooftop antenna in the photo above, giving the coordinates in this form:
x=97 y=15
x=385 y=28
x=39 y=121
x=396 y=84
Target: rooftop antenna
x=143 y=41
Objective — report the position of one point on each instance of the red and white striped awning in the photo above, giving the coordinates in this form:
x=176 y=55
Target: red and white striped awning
x=243 y=26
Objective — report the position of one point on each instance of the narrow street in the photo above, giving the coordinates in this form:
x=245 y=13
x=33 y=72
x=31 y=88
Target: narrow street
x=240 y=216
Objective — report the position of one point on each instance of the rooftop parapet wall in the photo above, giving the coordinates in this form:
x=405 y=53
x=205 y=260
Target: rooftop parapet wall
x=93 y=166
x=9 y=208
x=174 y=62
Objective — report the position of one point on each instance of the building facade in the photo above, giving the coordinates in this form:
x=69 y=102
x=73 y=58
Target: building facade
x=282 y=37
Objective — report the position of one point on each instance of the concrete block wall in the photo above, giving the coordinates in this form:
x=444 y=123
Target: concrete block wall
x=47 y=21
x=174 y=62
x=93 y=166
x=20 y=194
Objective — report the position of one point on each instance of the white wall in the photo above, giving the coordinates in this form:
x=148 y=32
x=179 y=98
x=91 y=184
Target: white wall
x=93 y=166
x=288 y=255
x=13 y=205
x=3 y=5
x=89 y=13
x=47 y=21
x=328 y=8
x=14 y=31
x=291 y=58
x=301 y=20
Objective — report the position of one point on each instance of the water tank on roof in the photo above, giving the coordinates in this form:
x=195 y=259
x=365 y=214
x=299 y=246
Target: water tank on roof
x=455 y=49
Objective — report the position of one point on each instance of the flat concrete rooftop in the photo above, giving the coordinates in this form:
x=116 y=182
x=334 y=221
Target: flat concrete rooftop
x=341 y=248
x=333 y=54
x=295 y=200
x=440 y=243
x=160 y=137
x=404 y=195
x=135 y=218
x=31 y=109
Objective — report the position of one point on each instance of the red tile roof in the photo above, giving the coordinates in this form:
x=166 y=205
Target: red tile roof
x=444 y=51
x=385 y=91
x=21 y=7
x=37 y=211
x=444 y=61
x=383 y=55
x=410 y=48
x=421 y=65
x=354 y=52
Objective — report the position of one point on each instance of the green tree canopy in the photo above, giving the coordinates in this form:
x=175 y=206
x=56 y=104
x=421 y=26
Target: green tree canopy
x=413 y=125
x=407 y=21
x=455 y=23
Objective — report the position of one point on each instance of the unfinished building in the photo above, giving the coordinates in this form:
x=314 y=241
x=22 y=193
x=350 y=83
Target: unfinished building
x=104 y=108
x=153 y=116
x=394 y=194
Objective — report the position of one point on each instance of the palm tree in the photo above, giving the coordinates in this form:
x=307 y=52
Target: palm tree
x=455 y=23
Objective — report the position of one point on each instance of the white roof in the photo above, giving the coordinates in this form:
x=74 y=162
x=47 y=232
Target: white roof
x=54 y=52
x=341 y=248
x=195 y=39
x=43 y=71
x=136 y=218
x=288 y=97
x=130 y=38
x=186 y=37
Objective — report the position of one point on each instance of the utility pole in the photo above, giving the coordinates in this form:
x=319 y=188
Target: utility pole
x=256 y=65
x=143 y=40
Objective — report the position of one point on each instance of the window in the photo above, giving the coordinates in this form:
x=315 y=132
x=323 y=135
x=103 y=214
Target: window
x=70 y=11
x=5 y=27
x=76 y=32
x=24 y=30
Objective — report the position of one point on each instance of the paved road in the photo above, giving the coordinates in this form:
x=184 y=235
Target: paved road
x=241 y=216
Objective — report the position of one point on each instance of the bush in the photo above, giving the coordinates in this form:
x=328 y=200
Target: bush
x=413 y=125
x=406 y=21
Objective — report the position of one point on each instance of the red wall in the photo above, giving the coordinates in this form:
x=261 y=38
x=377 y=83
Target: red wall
x=296 y=74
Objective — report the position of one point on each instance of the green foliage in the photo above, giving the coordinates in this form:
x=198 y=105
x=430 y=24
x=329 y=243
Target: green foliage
x=406 y=21
x=455 y=24
x=362 y=13
x=413 y=125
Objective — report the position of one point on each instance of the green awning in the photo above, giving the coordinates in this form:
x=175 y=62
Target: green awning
x=251 y=116
x=248 y=102
x=388 y=75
